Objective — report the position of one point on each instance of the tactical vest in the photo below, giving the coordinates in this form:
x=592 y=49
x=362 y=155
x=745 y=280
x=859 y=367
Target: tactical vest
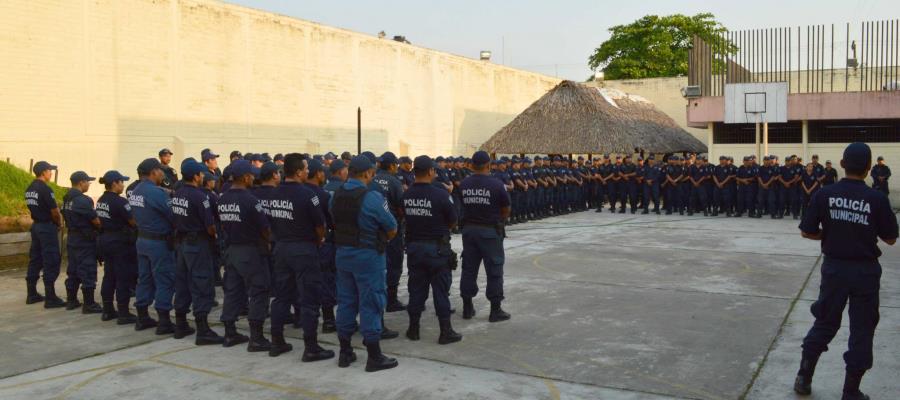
x=345 y=209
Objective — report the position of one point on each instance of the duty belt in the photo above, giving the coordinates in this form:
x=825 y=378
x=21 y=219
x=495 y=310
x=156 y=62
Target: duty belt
x=153 y=236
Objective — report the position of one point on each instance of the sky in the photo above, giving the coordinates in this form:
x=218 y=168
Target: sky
x=554 y=37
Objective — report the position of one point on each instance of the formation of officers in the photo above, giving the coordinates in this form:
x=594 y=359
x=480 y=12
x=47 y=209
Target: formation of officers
x=299 y=235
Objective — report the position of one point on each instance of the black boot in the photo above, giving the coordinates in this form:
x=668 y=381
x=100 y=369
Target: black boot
x=109 y=312
x=387 y=333
x=143 y=320
x=448 y=335
x=328 y=325
x=90 y=306
x=258 y=341
x=51 y=300
x=182 y=328
x=412 y=332
x=851 y=387
x=347 y=356
x=377 y=361
x=72 y=299
x=313 y=352
x=468 y=308
x=393 y=304
x=232 y=337
x=803 y=382
x=279 y=346
x=205 y=335
x=33 y=295
x=165 y=326
x=123 y=316
x=497 y=313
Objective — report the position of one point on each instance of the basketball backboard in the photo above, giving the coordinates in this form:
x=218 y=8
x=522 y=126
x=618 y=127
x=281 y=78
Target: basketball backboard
x=747 y=103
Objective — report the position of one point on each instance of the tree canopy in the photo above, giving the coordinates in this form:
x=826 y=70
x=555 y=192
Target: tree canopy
x=653 y=46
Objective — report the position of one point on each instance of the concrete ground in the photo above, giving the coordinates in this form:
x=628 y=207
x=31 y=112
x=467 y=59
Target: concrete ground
x=604 y=307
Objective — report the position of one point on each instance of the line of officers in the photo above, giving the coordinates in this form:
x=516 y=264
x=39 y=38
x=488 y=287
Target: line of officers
x=295 y=232
x=547 y=186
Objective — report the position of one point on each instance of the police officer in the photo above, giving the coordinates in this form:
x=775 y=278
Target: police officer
x=211 y=162
x=652 y=176
x=44 y=254
x=386 y=183
x=746 y=189
x=405 y=174
x=673 y=173
x=829 y=175
x=848 y=218
x=767 y=180
x=721 y=190
x=170 y=177
x=195 y=270
x=363 y=225
x=698 y=175
x=628 y=184
x=486 y=204
x=604 y=173
x=880 y=175
x=315 y=179
x=155 y=248
x=247 y=233
x=790 y=177
x=298 y=225
x=430 y=216
x=82 y=225
x=116 y=245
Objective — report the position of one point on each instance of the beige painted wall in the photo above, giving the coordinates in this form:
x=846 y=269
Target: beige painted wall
x=100 y=84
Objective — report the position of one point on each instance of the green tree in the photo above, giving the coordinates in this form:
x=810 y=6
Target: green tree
x=654 y=46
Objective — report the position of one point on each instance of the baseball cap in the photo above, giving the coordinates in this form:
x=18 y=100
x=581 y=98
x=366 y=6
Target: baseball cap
x=406 y=160
x=422 y=163
x=361 y=163
x=147 y=166
x=209 y=176
x=346 y=156
x=857 y=155
x=329 y=156
x=235 y=154
x=113 y=176
x=313 y=167
x=481 y=157
x=367 y=154
x=439 y=159
x=268 y=169
x=240 y=168
x=41 y=166
x=189 y=168
x=880 y=158
x=80 y=176
x=278 y=157
x=208 y=154
x=336 y=166
x=165 y=151
x=388 y=158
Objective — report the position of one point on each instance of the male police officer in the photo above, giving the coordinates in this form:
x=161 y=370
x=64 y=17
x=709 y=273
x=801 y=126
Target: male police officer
x=315 y=178
x=82 y=225
x=652 y=175
x=363 y=225
x=155 y=248
x=386 y=183
x=246 y=230
x=848 y=218
x=486 y=204
x=116 y=244
x=170 y=177
x=195 y=271
x=44 y=254
x=299 y=227
x=880 y=175
x=430 y=215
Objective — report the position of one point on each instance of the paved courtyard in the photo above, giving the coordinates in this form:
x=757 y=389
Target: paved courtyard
x=604 y=307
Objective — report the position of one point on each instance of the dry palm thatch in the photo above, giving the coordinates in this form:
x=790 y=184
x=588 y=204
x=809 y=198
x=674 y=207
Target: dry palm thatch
x=577 y=119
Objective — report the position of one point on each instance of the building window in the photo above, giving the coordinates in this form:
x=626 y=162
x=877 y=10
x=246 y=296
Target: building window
x=791 y=132
x=869 y=131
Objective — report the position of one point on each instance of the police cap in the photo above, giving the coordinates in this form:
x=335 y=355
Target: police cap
x=857 y=155
x=208 y=154
x=388 y=158
x=313 y=167
x=113 y=176
x=268 y=170
x=41 y=166
x=165 y=151
x=336 y=166
x=278 y=157
x=329 y=156
x=240 y=168
x=80 y=176
x=481 y=157
x=406 y=160
x=423 y=163
x=361 y=163
x=367 y=154
x=191 y=167
x=147 y=166
x=346 y=156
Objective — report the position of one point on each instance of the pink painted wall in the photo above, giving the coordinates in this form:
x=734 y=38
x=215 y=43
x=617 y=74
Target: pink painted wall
x=809 y=106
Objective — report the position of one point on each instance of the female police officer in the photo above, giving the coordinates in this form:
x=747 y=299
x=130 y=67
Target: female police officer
x=117 y=236
x=852 y=217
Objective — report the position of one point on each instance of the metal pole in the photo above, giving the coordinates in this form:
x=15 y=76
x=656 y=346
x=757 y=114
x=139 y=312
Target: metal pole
x=758 y=154
x=765 y=137
x=358 y=130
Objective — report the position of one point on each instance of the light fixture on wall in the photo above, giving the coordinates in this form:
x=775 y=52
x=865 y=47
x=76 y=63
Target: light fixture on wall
x=485 y=55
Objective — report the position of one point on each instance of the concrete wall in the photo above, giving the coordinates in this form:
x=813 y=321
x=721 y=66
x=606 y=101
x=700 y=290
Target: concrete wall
x=100 y=84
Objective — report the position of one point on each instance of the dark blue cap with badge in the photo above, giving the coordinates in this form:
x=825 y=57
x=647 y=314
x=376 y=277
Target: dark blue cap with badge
x=857 y=156
x=367 y=154
x=361 y=163
x=208 y=154
x=313 y=167
x=113 y=176
x=423 y=163
x=268 y=169
x=336 y=166
x=41 y=166
x=405 y=160
x=481 y=157
x=240 y=168
x=388 y=158
x=80 y=176
x=147 y=166
x=191 y=167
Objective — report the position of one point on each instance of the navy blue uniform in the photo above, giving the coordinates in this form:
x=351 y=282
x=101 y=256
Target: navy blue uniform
x=629 y=184
x=152 y=212
x=652 y=179
x=194 y=268
x=746 y=192
x=246 y=274
x=117 y=241
x=724 y=194
x=880 y=176
x=326 y=249
x=673 y=190
x=698 y=192
x=44 y=254
x=78 y=211
x=851 y=217
x=768 y=196
x=483 y=198
x=392 y=190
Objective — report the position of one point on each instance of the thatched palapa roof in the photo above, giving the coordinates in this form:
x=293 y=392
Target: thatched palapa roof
x=573 y=118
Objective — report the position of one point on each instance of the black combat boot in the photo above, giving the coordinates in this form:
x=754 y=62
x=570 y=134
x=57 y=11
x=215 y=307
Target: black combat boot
x=851 y=387
x=377 y=361
x=232 y=337
x=313 y=352
x=143 y=320
x=258 y=341
x=90 y=306
x=51 y=300
x=165 y=326
x=123 y=316
x=448 y=335
x=599 y=209
x=347 y=356
x=387 y=333
x=468 y=308
x=33 y=295
x=645 y=212
x=72 y=299
x=182 y=327
x=205 y=335
x=279 y=346
x=328 y=325
x=497 y=313
x=393 y=304
x=109 y=312
x=412 y=332
x=803 y=382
